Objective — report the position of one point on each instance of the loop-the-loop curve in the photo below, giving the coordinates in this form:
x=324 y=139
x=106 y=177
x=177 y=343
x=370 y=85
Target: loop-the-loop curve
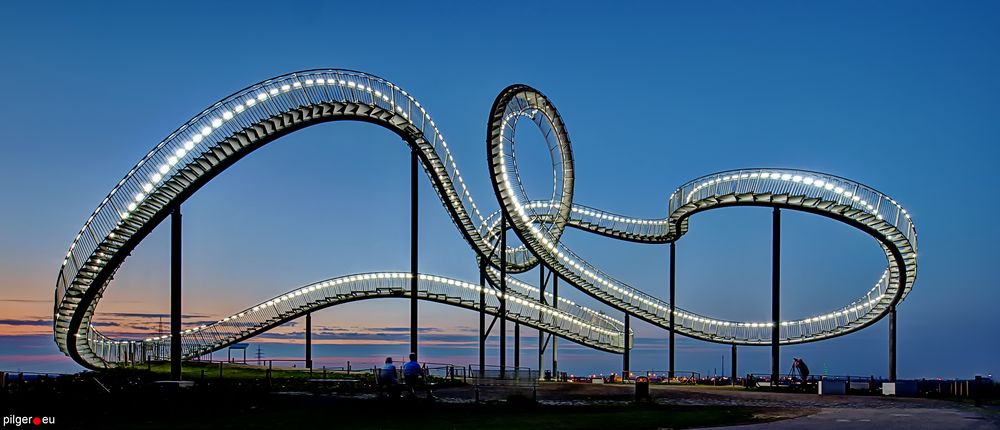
x=232 y=128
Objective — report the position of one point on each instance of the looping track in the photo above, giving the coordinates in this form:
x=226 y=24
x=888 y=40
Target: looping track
x=237 y=125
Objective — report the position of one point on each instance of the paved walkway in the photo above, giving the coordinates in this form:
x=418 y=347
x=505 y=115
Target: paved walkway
x=793 y=410
x=810 y=411
x=884 y=418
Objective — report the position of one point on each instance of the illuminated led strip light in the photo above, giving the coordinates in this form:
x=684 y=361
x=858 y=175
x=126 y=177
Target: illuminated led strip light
x=193 y=139
x=616 y=293
x=826 y=183
x=531 y=291
x=249 y=322
x=121 y=215
x=328 y=291
x=207 y=123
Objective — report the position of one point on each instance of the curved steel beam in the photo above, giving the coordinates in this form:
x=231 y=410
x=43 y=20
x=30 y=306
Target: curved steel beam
x=847 y=201
x=232 y=128
x=585 y=328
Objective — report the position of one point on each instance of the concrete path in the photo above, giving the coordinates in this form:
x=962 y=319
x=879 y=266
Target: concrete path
x=883 y=418
x=793 y=411
x=809 y=411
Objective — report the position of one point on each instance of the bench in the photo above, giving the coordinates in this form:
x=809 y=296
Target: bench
x=395 y=388
x=381 y=385
x=352 y=384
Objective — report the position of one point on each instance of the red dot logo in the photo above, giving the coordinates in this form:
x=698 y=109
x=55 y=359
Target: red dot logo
x=36 y=421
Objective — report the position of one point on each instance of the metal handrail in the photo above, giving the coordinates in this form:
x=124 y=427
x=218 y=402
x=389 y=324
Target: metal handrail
x=567 y=322
x=203 y=146
x=838 y=198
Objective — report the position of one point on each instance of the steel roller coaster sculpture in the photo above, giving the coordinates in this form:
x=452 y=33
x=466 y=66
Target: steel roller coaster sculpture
x=237 y=125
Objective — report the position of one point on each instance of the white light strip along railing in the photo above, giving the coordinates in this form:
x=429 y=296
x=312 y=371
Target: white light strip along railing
x=573 y=308
x=826 y=191
x=203 y=135
x=251 y=117
x=241 y=111
x=200 y=340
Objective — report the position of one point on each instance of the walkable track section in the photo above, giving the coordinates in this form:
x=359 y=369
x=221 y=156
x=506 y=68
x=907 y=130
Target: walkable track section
x=237 y=125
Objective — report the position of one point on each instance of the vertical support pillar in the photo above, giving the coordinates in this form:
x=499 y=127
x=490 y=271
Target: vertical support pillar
x=673 y=305
x=541 y=334
x=625 y=354
x=309 y=342
x=482 y=317
x=503 y=294
x=414 y=166
x=517 y=347
x=175 y=293
x=775 y=293
x=555 y=304
x=892 y=343
x=733 y=371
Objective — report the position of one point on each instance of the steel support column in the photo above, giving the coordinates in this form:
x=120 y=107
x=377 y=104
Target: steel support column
x=673 y=305
x=175 y=293
x=517 y=347
x=414 y=166
x=892 y=343
x=555 y=304
x=309 y=341
x=775 y=293
x=733 y=364
x=482 y=317
x=625 y=353
x=503 y=294
x=541 y=334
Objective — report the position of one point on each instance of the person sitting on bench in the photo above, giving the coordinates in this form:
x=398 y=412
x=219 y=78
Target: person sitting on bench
x=413 y=375
x=387 y=377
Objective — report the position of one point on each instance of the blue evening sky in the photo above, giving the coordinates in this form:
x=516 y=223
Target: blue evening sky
x=902 y=96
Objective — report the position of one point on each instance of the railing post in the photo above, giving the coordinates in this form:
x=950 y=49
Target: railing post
x=673 y=305
x=414 y=166
x=775 y=293
x=175 y=293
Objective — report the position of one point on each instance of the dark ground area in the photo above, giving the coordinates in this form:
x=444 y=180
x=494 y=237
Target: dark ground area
x=133 y=402
x=217 y=410
x=130 y=400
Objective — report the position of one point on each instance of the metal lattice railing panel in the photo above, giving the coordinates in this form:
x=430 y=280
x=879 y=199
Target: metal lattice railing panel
x=252 y=117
